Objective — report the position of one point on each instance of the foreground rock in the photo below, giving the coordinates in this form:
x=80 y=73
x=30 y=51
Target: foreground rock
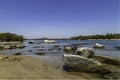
x=97 y=45
x=79 y=63
x=85 y=52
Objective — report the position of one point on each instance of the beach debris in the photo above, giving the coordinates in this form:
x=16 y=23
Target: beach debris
x=17 y=53
x=97 y=45
x=85 y=52
x=40 y=53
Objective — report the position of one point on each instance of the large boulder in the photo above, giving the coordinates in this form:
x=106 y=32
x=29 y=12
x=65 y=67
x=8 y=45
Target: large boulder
x=97 y=45
x=85 y=52
x=79 y=63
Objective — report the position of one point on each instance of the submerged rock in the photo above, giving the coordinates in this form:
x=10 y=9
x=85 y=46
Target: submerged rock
x=17 y=53
x=97 y=45
x=85 y=52
x=31 y=42
x=117 y=47
x=40 y=53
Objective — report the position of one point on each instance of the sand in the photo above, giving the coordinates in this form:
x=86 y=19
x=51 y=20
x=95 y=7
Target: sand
x=24 y=67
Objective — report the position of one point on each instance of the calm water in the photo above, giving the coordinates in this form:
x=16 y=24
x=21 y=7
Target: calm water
x=50 y=50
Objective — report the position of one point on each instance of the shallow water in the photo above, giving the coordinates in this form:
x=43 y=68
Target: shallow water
x=50 y=50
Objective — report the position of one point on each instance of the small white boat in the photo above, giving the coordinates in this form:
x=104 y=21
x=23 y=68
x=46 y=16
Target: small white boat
x=49 y=41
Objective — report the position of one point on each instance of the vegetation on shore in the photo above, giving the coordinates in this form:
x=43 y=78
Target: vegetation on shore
x=98 y=36
x=10 y=37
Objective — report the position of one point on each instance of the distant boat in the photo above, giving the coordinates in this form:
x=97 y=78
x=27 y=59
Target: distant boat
x=49 y=41
x=31 y=42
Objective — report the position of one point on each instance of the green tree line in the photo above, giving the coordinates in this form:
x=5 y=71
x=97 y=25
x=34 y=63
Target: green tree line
x=10 y=37
x=98 y=36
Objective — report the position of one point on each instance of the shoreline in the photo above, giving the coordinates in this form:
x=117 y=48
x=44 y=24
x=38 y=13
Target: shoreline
x=28 y=67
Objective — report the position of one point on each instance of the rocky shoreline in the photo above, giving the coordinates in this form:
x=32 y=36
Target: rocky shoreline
x=33 y=68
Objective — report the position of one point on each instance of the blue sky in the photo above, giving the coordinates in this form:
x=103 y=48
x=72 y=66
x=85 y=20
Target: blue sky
x=59 y=18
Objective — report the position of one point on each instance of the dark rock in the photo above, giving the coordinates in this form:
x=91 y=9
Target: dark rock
x=17 y=53
x=29 y=50
x=117 y=47
x=56 y=46
x=40 y=53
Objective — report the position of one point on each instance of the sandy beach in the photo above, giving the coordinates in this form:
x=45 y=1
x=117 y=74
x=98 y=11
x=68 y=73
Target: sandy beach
x=26 y=67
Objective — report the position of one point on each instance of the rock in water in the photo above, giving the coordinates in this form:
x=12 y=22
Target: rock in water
x=97 y=45
x=20 y=46
x=7 y=47
x=40 y=53
x=85 y=52
x=68 y=49
x=17 y=53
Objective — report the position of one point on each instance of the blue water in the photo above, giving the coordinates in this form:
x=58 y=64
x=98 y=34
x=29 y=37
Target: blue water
x=109 y=49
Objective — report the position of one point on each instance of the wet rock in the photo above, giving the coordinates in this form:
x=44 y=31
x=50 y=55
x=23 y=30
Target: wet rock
x=97 y=45
x=85 y=52
x=17 y=53
x=40 y=53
